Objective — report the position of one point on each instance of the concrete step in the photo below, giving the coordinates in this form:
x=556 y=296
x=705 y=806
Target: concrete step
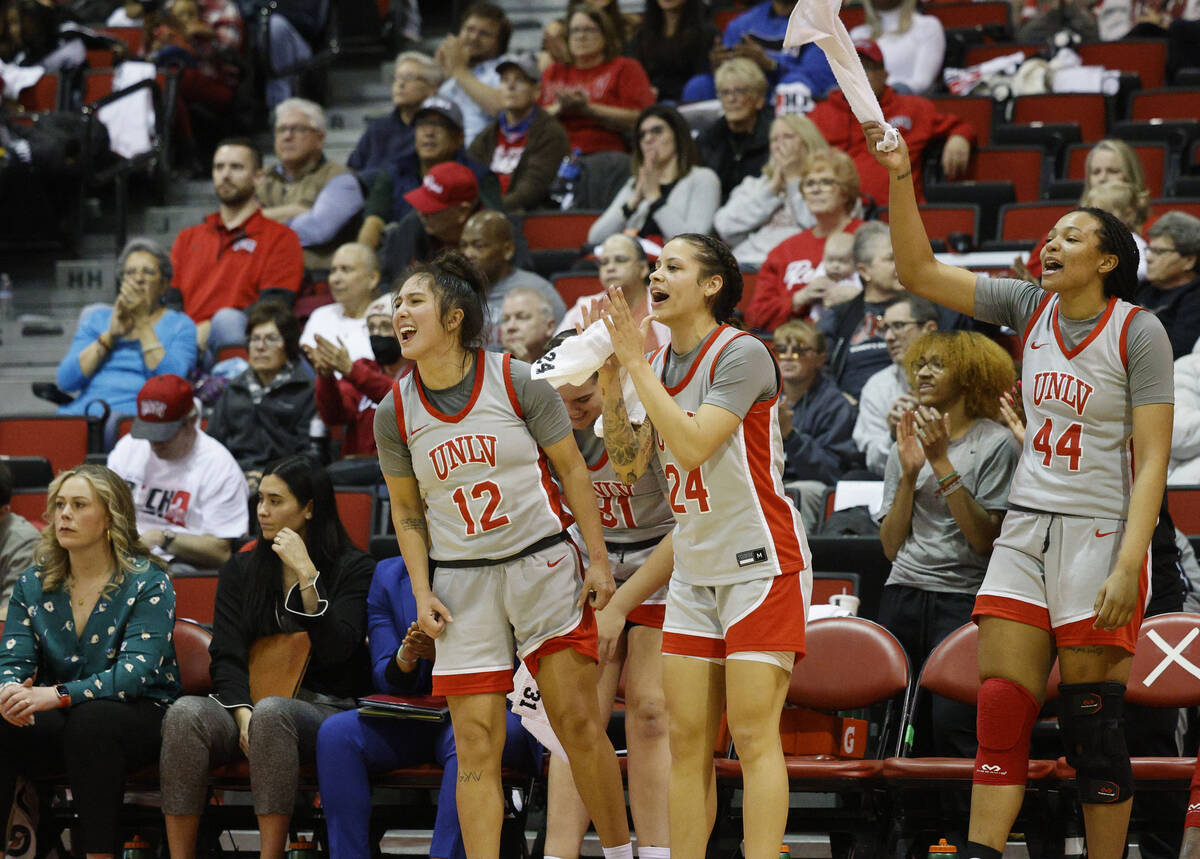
x=169 y=220
x=192 y=191
x=35 y=340
x=355 y=117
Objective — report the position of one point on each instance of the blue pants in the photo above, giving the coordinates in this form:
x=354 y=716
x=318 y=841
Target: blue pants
x=350 y=747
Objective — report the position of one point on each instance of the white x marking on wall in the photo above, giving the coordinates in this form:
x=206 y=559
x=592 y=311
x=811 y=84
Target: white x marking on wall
x=1173 y=654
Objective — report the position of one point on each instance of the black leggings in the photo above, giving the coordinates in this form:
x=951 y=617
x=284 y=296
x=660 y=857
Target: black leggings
x=95 y=743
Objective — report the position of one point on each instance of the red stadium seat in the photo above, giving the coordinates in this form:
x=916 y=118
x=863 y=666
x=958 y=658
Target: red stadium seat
x=30 y=504
x=131 y=37
x=1030 y=221
x=1158 y=208
x=1152 y=155
x=941 y=220
x=191 y=651
x=572 y=287
x=227 y=352
x=1019 y=165
x=852 y=16
x=1184 y=504
x=100 y=58
x=43 y=97
x=62 y=439
x=1146 y=57
x=826 y=585
x=722 y=17
x=976 y=109
x=1165 y=103
x=195 y=596
x=356 y=509
x=1087 y=110
x=968 y=16
x=557 y=230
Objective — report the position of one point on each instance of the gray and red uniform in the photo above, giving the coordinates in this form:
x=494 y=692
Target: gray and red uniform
x=742 y=579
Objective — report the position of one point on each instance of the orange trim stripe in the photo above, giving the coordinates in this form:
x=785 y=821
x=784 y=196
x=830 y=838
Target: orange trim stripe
x=681 y=644
x=472 y=684
x=1083 y=344
x=480 y=371
x=673 y=390
x=1125 y=338
x=781 y=517
x=398 y=402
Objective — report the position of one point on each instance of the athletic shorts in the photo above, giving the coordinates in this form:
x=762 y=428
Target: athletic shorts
x=1046 y=571
x=527 y=606
x=715 y=621
x=624 y=564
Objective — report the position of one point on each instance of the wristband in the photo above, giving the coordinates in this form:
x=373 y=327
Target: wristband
x=953 y=475
x=952 y=486
x=400 y=657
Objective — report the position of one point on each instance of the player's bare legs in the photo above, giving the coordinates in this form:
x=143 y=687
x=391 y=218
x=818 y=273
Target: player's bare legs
x=480 y=723
x=689 y=684
x=567 y=680
x=647 y=737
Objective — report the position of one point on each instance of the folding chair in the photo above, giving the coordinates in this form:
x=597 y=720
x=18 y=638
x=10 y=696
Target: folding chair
x=557 y=230
x=356 y=509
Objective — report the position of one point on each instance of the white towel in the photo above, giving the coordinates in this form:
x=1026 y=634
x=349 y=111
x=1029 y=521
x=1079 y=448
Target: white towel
x=527 y=703
x=817 y=21
x=17 y=78
x=577 y=359
x=130 y=120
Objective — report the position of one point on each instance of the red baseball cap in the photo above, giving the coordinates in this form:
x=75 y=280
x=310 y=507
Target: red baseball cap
x=870 y=49
x=162 y=404
x=446 y=184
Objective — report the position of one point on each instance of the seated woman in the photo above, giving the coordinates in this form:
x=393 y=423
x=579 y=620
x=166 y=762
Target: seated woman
x=598 y=93
x=349 y=401
x=672 y=43
x=913 y=44
x=92 y=619
x=764 y=210
x=301 y=575
x=354 y=284
x=670 y=191
x=351 y=746
x=265 y=413
x=116 y=349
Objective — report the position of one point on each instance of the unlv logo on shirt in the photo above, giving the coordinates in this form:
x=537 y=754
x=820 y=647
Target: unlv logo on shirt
x=798 y=273
x=171 y=505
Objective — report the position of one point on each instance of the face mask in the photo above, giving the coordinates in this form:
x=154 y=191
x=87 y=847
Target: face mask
x=386 y=349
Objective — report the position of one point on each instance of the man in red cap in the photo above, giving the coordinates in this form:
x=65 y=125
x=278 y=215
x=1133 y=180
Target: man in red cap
x=913 y=116
x=188 y=491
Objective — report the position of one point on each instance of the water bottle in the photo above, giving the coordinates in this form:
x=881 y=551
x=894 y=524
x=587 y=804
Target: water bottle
x=6 y=297
x=941 y=849
x=136 y=848
x=301 y=848
x=785 y=852
x=562 y=189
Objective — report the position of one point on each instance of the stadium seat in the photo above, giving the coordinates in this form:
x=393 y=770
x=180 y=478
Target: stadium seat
x=941 y=220
x=1177 y=134
x=852 y=16
x=1184 y=504
x=1165 y=103
x=30 y=504
x=131 y=37
x=969 y=16
x=29 y=472
x=1030 y=221
x=977 y=110
x=557 y=230
x=195 y=596
x=62 y=439
x=1147 y=58
x=573 y=286
x=356 y=509
x=1020 y=165
x=749 y=282
x=45 y=96
x=1087 y=110
x=826 y=585
x=722 y=17
x=191 y=650
x=1158 y=208
x=1152 y=155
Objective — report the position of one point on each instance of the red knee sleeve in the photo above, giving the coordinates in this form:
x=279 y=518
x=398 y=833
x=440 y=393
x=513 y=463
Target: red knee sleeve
x=1193 y=809
x=1004 y=722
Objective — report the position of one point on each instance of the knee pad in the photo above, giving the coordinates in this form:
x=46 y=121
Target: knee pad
x=1093 y=731
x=1004 y=722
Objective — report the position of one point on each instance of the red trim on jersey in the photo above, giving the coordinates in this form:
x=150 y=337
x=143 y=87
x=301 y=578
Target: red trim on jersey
x=1083 y=344
x=777 y=510
x=777 y=623
x=648 y=614
x=1125 y=338
x=583 y=639
x=466 y=410
x=550 y=487
x=249 y=546
x=508 y=386
x=398 y=402
x=673 y=390
x=1037 y=313
x=472 y=684
x=1125 y=637
x=990 y=605
x=600 y=464
x=682 y=644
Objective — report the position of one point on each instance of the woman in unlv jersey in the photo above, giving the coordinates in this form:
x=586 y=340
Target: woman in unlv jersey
x=741 y=581
x=466 y=442
x=1069 y=573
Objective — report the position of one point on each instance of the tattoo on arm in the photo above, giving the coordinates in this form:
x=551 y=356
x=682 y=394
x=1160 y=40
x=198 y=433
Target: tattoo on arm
x=467 y=776
x=627 y=447
x=417 y=524
x=904 y=175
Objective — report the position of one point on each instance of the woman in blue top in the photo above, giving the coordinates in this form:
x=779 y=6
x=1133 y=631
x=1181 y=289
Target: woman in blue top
x=91 y=623
x=351 y=746
x=116 y=349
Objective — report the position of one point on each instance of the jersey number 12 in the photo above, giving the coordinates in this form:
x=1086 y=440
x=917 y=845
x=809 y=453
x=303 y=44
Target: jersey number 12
x=489 y=520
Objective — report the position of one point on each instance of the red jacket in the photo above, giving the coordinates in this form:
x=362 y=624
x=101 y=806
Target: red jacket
x=789 y=266
x=350 y=401
x=913 y=116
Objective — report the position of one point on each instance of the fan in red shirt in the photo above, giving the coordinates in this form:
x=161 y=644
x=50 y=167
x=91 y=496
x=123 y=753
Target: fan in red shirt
x=598 y=95
x=914 y=116
x=784 y=288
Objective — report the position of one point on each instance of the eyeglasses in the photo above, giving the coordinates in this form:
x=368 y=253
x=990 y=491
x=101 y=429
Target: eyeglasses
x=819 y=184
x=144 y=272
x=933 y=365
x=267 y=340
x=726 y=93
x=1153 y=251
x=785 y=350
x=894 y=327
x=409 y=79
x=652 y=131
x=587 y=30
x=283 y=130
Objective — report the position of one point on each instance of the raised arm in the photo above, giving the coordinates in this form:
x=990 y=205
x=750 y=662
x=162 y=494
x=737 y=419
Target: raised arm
x=920 y=273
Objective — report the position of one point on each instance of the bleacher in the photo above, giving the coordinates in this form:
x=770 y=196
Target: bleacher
x=1026 y=171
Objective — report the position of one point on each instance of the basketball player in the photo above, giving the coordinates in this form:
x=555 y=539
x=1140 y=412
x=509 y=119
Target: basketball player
x=465 y=443
x=741 y=580
x=1069 y=573
x=636 y=520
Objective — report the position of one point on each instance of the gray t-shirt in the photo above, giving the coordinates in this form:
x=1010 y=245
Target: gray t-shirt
x=545 y=415
x=936 y=555
x=744 y=374
x=1010 y=302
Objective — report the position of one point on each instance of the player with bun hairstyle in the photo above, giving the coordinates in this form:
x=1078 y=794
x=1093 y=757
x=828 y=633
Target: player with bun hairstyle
x=466 y=443
x=736 y=601
x=1069 y=573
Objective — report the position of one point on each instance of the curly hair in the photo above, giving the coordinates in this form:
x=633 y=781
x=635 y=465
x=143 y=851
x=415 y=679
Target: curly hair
x=843 y=169
x=978 y=365
x=113 y=494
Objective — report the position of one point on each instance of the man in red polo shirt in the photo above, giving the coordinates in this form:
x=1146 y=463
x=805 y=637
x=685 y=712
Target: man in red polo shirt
x=914 y=116
x=235 y=256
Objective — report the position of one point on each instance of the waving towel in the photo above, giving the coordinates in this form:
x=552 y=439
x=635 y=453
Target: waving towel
x=577 y=359
x=817 y=21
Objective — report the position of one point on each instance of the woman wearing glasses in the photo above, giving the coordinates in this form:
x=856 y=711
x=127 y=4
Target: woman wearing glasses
x=670 y=192
x=264 y=414
x=785 y=290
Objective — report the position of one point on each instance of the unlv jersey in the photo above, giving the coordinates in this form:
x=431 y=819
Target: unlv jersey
x=733 y=522
x=1078 y=457
x=487 y=485
x=629 y=514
